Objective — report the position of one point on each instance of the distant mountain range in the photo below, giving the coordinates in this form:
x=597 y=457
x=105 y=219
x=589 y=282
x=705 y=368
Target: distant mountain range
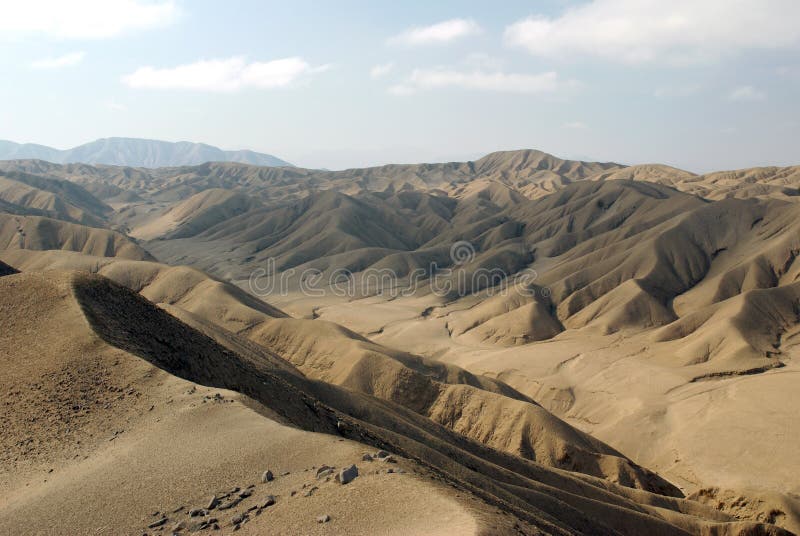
x=136 y=152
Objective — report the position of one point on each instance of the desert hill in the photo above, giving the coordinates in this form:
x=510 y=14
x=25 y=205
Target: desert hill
x=651 y=313
x=38 y=233
x=112 y=325
x=23 y=193
x=475 y=406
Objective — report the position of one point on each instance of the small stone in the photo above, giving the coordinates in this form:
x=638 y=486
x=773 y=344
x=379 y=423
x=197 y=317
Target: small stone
x=238 y=519
x=269 y=501
x=366 y=457
x=177 y=527
x=267 y=476
x=212 y=503
x=245 y=493
x=227 y=505
x=323 y=518
x=157 y=523
x=389 y=459
x=324 y=471
x=197 y=512
x=381 y=454
x=390 y=470
x=347 y=475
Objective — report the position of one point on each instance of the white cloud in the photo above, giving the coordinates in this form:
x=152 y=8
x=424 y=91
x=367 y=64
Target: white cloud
x=426 y=79
x=66 y=60
x=575 y=125
x=746 y=94
x=231 y=74
x=678 y=31
x=83 y=19
x=481 y=60
x=381 y=70
x=442 y=32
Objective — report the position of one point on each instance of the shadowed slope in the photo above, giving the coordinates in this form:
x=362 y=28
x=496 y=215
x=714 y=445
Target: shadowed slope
x=476 y=406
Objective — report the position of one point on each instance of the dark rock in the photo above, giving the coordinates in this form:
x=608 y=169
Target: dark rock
x=230 y=503
x=269 y=501
x=267 y=476
x=157 y=523
x=212 y=503
x=347 y=475
x=324 y=471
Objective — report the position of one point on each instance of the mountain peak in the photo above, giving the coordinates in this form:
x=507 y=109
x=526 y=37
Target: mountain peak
x=136 y=152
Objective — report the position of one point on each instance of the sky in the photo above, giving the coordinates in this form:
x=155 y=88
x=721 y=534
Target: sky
x=702 y=85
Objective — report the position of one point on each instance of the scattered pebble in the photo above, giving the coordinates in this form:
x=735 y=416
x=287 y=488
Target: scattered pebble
x=267 y=476
x=323 y=518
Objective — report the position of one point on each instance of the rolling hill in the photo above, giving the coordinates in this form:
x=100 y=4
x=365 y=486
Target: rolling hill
x=643 y=337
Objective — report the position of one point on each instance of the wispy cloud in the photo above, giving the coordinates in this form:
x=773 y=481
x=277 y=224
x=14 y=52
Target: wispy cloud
x=428 y=79
x=746 y=94
x=381 y=70
x=679 y=31
x=67 y=60
x=83 y=19
x=224 y=75
x=442 y=32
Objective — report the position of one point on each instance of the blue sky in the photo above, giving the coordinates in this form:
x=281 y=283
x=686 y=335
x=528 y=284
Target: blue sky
x=709 y=84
